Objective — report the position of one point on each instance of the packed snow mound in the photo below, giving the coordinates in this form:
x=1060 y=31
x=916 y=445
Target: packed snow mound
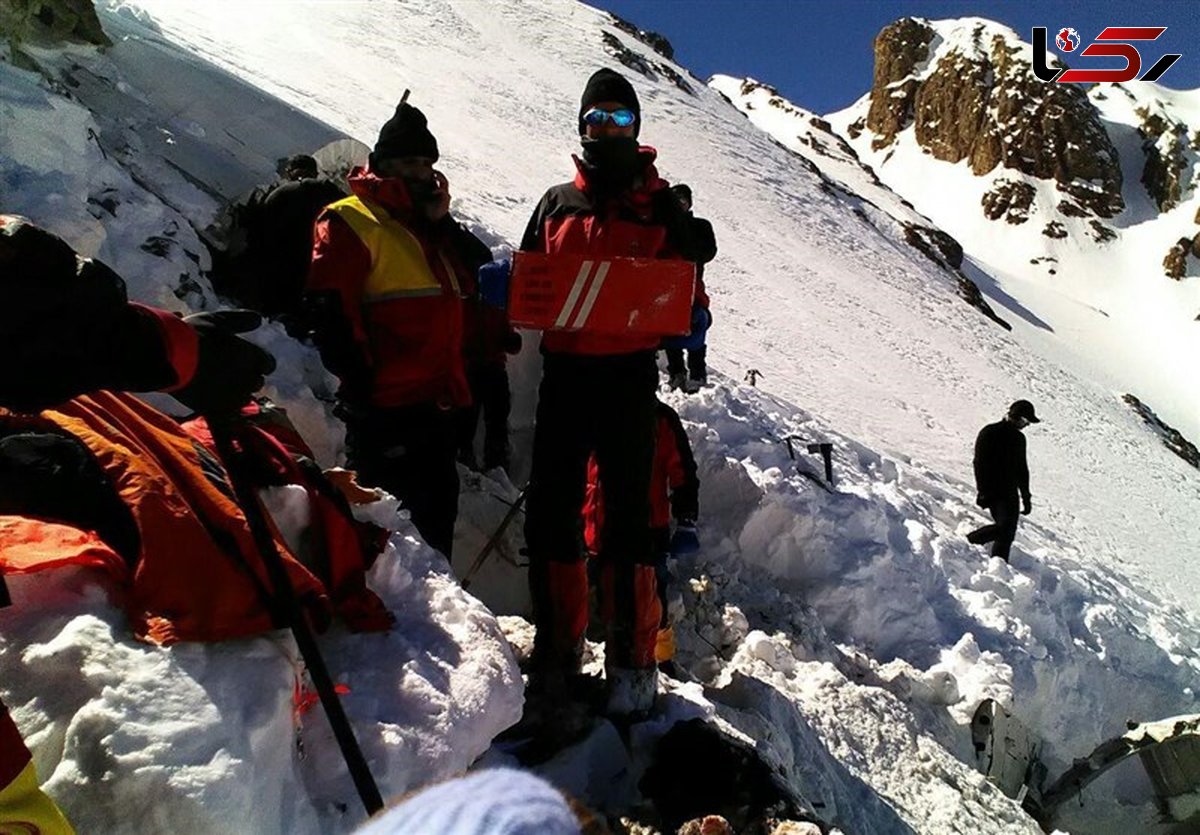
x=224 y=738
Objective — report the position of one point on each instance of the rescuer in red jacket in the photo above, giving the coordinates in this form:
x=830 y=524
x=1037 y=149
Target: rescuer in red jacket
x=390 y=272
x=598 y=395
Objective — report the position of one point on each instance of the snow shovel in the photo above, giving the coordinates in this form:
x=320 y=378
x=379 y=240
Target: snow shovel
x=285 y=596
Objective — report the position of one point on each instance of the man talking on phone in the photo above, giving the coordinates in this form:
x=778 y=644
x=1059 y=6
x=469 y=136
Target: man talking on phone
x=390 y=273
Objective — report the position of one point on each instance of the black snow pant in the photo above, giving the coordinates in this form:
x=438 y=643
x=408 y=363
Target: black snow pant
x=1005 y=512
x=604 y=404
x=493 y=401
x=696 y=368
x=411 y=452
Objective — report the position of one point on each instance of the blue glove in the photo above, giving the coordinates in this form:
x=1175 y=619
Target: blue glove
x=684 y=541
x=701 y=321
x=493 y=283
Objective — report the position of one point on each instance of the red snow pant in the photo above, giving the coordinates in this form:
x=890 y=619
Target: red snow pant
x=604 y=404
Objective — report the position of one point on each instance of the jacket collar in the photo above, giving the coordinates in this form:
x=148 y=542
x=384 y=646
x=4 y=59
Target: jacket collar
x=389 y=192
x=649 y=183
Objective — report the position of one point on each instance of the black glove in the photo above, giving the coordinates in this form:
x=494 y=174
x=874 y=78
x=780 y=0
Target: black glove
x=1026 y=506
x=512 y=342
x=229 y=369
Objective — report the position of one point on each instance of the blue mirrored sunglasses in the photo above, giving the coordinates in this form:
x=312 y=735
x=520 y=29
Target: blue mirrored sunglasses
x=622 y=118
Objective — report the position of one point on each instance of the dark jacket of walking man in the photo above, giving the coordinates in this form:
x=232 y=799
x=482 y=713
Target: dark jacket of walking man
x=1002 y=476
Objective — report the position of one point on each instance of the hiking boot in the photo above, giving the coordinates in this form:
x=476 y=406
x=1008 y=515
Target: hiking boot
x=677 y=381
x=631 y=693
x=691 y=386
x=976 y=537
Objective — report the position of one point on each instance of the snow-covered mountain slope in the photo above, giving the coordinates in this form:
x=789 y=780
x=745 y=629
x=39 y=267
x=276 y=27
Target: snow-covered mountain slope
x=850 y=634
x=838 y=316
x=1093 y=272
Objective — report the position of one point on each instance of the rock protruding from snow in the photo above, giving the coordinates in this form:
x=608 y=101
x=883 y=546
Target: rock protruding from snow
x=967 y=89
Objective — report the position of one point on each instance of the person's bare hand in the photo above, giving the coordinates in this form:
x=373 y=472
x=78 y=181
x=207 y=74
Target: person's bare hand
x=439 y=201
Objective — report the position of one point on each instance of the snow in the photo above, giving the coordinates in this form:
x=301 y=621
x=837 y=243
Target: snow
x=848 y=634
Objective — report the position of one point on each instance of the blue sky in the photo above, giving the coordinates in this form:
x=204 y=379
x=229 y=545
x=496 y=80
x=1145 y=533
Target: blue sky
x=819 y=54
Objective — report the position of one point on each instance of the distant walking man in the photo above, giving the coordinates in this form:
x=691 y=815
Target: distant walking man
x=1001 y=475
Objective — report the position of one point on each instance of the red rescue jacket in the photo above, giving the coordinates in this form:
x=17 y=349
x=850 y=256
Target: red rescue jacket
x=674 y=485
x=399 y=282
x=570 y=218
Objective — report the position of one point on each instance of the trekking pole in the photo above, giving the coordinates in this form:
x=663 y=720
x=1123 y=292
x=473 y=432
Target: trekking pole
x=491 y=544
x=285 y=594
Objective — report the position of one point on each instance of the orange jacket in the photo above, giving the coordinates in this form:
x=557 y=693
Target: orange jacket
x=198 y=576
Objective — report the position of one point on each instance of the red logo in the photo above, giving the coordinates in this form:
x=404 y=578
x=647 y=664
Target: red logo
x=1113 y=42
x=1067 y=39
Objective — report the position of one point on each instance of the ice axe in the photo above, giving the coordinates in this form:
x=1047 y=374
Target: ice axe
x=825 y=450
x=491 y=544
x=285 y=597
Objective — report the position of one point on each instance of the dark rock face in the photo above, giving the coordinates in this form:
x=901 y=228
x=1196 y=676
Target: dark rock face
x=1054 y=229
x=654 y=40
x=988 y=108
x=899 y=48
x=1165 y=145
x=1010 y=199
x=1175 y=262
x=947 y=253
x=54 y=19
x=637 y=63
x=1101 y=233
x=1170 y=436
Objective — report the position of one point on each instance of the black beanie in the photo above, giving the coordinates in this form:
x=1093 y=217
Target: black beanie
x=609 y=85
x=683 y=192
x=406 y=134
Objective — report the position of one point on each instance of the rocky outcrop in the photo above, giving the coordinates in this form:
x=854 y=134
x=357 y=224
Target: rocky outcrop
x=899 y=49
x=1175 y=262
x=1054 y=229
x=56 y=20
x=654 y=40
x=947 y=253
x=1170 y=436
x=1102 y=234
x=1009 y=199
x=1165 y=145
x=983 y=104
x=638 y=63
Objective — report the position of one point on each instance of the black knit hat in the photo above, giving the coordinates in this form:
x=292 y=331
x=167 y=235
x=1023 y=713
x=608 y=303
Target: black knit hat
x=609 y=85
x=406 y=134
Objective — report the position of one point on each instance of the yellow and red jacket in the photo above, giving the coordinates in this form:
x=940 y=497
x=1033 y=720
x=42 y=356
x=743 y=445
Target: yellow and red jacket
x=400 y=283
x=24 y=808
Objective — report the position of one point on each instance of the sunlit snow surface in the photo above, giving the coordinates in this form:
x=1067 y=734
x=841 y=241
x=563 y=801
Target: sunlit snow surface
x=851 y=633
